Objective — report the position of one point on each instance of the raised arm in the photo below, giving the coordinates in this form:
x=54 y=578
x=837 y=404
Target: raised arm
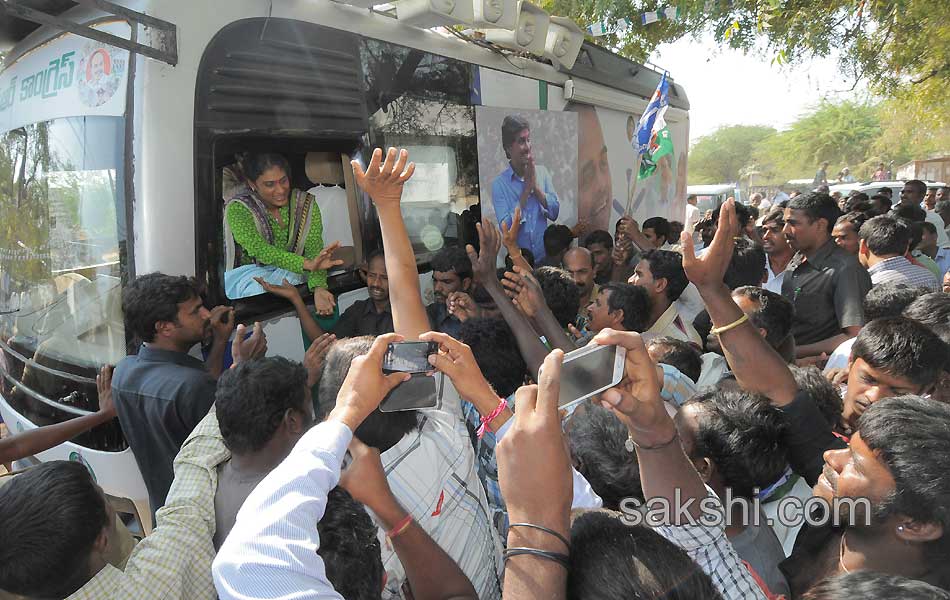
x=667 y=474
x=383 y=181
x=525 y=292
x=535 y=477
x=288 y=292
x=33 y=441
x=483 y=266
x=432 y=573
x=665 y=470
x=509 y=236
x=757 y=367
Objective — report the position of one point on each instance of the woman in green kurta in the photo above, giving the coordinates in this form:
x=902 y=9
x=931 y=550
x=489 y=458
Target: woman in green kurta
x=277 y=233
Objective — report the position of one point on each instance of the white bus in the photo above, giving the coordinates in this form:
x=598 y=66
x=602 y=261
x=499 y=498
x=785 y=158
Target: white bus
x=116 y=153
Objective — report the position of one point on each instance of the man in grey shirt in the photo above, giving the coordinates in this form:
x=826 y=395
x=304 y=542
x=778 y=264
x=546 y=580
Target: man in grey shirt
x=826 y=284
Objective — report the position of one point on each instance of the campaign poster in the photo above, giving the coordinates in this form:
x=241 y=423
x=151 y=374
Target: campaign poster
x=607 y=186
x=538 y=149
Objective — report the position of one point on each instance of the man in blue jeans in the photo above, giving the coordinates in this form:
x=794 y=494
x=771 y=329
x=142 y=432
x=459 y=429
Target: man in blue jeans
x=524 y=185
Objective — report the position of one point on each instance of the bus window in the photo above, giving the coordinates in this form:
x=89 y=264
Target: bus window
x=62 y=259
x=427 y=110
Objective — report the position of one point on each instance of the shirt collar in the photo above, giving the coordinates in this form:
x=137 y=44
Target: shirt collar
x=823 y=253
x=665 y=320
x=105 y=584
x=154 y=354
x=893 y=262
x=370 y=308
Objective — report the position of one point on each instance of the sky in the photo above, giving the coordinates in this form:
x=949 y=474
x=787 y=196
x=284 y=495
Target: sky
x=727 y=87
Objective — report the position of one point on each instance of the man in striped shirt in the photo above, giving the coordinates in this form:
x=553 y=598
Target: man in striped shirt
x=884 y=241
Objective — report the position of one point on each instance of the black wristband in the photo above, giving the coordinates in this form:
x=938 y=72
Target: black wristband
x=561 y=559
x=567 y=544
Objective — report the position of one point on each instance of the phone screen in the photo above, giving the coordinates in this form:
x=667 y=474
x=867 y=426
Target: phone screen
x=586 y=374
x=421 y=391
x=409 y=357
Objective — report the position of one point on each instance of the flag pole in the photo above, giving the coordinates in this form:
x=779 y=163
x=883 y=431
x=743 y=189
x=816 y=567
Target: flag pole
x=633 y=188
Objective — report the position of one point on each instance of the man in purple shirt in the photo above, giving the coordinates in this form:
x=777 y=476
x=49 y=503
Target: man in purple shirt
x=524 y=185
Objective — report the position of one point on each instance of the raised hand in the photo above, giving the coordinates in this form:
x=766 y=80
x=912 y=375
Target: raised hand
x=252 y=347
x=456 y=360
x=222 y=323
x=104 y=388
x=286 y=290
x=316 y=353
x=461 y=306
x=534 y=469
x=622 y=252
x=323 y=302
x=365 y=478
x=524 y=291
x=324 y=260
x=509 y=235
x=365 y=385
x=383 y=181
x=580 y=228
x=489 y=242
x=636 y=400
x=710 y=269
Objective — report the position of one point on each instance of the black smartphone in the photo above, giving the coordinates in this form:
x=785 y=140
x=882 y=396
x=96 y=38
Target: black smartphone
x=409 y=357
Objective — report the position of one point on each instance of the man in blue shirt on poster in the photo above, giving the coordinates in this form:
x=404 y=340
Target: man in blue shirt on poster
x=526 y=185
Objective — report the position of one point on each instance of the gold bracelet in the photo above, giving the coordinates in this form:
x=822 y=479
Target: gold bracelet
x=733 y=325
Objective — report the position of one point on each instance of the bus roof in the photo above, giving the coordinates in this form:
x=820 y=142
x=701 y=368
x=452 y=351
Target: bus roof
x=594 y=63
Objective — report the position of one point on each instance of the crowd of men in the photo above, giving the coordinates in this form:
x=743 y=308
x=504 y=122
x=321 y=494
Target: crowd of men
x=272 y=479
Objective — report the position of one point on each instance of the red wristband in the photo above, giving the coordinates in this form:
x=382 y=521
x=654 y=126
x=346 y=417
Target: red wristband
x=502 y=405
x=400 y=527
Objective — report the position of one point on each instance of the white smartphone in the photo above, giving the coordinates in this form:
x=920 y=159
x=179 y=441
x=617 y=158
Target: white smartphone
x=588 y=371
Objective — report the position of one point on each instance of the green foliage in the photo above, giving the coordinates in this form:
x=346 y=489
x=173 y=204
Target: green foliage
x=849 y=134
x=720 y=156
x=894 y=44
x=841 y=134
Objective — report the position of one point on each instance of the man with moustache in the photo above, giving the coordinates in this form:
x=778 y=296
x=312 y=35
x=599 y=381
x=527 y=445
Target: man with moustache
x=580 y=264
x=372 y=316
x=524 y=185
x=777 y=251
x=825 y=283
x=451 y=272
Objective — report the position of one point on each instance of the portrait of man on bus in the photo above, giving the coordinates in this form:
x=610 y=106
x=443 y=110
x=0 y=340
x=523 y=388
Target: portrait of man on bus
x=524 y=185
x=275 y=233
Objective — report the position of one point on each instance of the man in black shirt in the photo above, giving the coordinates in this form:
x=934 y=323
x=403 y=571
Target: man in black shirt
x=825 y=283
x=162 y=393
x=372 y=316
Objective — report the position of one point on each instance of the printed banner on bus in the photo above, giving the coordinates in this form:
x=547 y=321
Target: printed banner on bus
x=606 y=184
x=68 y=77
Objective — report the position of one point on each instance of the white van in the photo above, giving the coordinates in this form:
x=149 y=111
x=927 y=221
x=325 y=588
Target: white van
x=116 y=143
x=710 y=197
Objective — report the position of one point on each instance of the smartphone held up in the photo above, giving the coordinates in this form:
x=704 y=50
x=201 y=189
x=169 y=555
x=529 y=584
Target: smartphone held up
x=422 y=390
x=588 y=371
